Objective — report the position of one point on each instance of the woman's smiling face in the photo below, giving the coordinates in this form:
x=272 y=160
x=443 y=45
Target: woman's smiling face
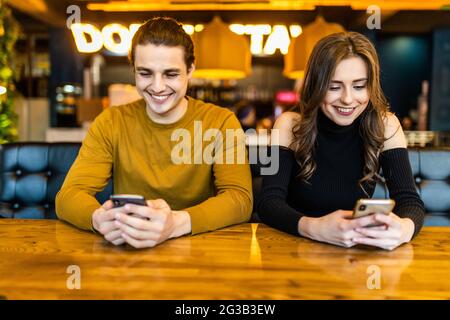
x=347 y=95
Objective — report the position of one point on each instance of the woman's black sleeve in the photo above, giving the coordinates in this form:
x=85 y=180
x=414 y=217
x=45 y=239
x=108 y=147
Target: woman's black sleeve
x=400 y=182
x=272 y=207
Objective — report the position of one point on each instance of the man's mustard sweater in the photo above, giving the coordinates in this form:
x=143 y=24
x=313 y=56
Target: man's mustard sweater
x=124 y=143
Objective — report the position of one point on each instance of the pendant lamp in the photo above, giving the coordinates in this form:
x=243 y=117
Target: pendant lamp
x=301 y=47
x=220 y=53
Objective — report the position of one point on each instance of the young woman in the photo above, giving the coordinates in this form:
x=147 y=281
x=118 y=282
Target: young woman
x=332 y=150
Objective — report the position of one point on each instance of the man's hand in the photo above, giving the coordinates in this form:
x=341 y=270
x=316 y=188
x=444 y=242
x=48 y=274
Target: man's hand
x=103 y=221
x=157 y=223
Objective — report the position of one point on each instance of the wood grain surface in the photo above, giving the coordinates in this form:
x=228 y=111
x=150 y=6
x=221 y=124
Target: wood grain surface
x=247 y=261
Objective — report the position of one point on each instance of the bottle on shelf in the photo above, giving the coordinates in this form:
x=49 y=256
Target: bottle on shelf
x=422 y=107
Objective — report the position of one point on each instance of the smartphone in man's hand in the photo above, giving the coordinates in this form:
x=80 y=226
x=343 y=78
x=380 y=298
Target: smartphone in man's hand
x=119 y=200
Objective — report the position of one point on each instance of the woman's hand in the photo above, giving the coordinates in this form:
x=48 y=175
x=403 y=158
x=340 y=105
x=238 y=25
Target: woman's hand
x=393 y=231
x=336 y=228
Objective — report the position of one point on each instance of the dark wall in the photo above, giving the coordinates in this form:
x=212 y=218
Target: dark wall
x=405 y=62
x=66 y=64
x=440 y=82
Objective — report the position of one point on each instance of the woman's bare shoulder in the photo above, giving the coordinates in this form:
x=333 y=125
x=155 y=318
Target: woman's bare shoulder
x=283 y=128
x=393 y=133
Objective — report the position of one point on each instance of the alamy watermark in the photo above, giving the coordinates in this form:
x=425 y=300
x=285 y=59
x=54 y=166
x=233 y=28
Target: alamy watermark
x=228 y=146
x=74 y=12
x=374 y=279
x=374 y=20
x=74 y=280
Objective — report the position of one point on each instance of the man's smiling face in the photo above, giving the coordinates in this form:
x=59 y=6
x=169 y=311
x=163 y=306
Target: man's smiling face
x=162 y=78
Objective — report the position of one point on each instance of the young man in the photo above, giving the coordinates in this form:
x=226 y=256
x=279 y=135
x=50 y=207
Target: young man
x=138 y=144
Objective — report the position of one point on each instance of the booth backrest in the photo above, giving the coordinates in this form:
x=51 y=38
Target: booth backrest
x=32 y=173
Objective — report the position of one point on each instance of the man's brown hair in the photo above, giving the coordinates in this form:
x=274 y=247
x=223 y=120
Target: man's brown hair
x=163 y=31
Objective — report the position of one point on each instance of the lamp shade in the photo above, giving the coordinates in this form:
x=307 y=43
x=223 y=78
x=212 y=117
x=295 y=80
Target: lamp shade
x=220 y=53
x=301 y=47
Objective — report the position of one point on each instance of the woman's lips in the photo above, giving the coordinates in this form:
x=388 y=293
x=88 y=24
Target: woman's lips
x=342 y=111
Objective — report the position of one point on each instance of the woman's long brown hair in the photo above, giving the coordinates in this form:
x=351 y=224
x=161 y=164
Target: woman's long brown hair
x=326 y=55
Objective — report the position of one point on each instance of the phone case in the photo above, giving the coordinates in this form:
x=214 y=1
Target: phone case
x=121 y=200
x=365 y=207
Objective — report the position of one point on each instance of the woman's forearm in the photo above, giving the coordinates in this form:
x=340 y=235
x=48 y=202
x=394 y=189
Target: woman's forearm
x=307 y=227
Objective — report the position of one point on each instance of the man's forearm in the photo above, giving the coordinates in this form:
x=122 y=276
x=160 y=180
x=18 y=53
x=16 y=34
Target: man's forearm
x=182 y=224
x=225 y=209
x=76 y=207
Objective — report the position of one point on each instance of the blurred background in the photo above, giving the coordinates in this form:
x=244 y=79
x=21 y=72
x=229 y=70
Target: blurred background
x=62 y=62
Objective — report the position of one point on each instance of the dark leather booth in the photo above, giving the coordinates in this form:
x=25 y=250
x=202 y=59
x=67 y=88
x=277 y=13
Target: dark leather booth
x=32 y=173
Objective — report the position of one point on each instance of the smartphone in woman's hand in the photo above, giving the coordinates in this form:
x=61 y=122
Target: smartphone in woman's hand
x=364 y=207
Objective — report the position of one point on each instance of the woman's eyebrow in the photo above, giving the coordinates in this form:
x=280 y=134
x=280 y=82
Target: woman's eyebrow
x=357 y=80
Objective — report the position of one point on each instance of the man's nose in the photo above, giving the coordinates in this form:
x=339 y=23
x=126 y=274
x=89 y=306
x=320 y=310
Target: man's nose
x=158 y=84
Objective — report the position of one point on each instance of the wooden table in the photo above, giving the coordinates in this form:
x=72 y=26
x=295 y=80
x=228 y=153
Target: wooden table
x=247 y=261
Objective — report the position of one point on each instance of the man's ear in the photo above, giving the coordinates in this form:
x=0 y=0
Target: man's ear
x=191 y=71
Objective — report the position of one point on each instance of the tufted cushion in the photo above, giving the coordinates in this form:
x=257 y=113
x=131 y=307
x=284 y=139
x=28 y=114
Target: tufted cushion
x=31 y=174
x=433 y=180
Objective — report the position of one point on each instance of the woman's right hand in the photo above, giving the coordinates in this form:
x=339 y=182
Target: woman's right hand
x=336 y=228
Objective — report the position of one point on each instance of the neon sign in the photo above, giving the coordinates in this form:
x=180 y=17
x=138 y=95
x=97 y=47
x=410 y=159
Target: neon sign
x=117 y=38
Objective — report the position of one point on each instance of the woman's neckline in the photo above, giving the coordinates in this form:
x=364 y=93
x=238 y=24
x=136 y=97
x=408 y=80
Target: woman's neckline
x=325 y=124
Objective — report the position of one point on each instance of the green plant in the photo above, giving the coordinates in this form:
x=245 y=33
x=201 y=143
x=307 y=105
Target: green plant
x=9 y=31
